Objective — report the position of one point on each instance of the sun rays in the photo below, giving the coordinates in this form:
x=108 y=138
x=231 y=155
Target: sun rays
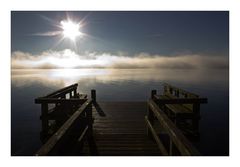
x=70 y=29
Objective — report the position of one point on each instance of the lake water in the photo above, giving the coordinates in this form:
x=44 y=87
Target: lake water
x=119 y=85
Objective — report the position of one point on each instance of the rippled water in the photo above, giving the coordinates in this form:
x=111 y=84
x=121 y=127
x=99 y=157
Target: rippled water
x=119 y=85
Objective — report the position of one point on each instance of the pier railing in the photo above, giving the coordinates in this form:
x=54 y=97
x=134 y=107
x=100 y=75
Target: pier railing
x=58 y=105
x=61 y=93
x=79 y=123
x=181 y=106
x=175 y=135
x=71 y=112
x=176 y=142
x=65 y=114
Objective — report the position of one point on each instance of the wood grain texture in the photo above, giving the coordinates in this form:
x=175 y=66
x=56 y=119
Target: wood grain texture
x=122 y=131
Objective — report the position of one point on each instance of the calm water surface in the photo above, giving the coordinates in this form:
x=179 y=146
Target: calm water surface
x=128 y=85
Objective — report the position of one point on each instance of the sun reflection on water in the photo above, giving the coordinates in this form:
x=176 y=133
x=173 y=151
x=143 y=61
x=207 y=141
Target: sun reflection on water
x=64 y=77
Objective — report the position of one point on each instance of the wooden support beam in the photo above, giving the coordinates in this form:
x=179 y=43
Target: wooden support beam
x=75 y=92
x=93 y=95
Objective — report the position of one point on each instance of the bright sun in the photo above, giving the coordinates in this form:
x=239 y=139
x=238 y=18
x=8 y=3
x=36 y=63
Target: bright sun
x=70 y=29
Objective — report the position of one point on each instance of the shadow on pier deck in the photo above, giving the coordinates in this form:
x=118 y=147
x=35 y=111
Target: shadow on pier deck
x=73 y=124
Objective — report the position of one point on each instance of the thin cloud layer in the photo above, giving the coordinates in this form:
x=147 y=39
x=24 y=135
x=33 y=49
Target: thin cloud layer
x=48 y=34
x=70 y=59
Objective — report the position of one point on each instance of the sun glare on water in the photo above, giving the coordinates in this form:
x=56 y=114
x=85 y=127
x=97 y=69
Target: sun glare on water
x=70 y=29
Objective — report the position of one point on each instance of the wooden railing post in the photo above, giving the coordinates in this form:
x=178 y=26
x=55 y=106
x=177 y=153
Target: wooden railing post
x=150 y=115
x=93 y=95
x=75 y=92
x=44 y=110
x=90 y=139
x=89 y=119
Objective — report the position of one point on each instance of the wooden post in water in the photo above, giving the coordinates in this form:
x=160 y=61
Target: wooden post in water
x=150 y=114
x=93 y=95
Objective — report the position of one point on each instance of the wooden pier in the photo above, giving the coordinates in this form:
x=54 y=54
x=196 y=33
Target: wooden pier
x=75 y=124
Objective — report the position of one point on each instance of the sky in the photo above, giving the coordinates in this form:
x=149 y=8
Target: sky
x=143 y=38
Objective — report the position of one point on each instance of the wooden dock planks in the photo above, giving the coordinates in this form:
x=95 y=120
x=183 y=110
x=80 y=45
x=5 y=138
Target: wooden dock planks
x=122 y=131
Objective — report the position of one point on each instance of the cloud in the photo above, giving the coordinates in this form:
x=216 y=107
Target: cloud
x=48 y=34
x=69 y=59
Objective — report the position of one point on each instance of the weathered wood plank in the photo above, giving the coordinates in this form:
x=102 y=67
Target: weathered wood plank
x=122 y=131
